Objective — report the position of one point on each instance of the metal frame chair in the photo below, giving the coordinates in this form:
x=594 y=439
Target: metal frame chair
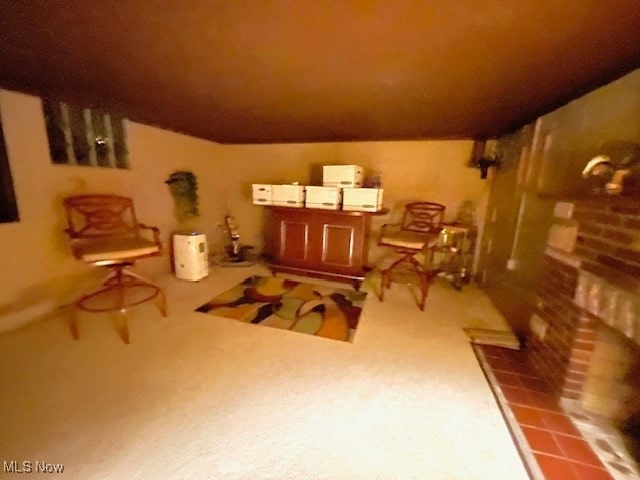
x=417 y=232
x=104 y=231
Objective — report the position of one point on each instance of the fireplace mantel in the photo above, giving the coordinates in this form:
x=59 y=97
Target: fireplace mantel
x=568 y=259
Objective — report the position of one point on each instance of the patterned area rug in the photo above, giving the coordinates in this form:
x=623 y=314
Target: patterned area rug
x=301 y=307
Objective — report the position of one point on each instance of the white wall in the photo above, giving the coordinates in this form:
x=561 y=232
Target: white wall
x=38 y=271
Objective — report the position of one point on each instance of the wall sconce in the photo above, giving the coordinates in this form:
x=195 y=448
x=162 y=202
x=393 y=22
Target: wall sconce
x=484 y=163
x=484 y=156
x=617 y=158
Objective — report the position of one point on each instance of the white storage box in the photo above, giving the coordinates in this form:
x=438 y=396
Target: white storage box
x=261 y=194
x=346 y=176
x=362 y=199
x=287 y=195
x=328 y=198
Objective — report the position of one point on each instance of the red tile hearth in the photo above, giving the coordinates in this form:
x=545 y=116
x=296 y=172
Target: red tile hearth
x=551 y=447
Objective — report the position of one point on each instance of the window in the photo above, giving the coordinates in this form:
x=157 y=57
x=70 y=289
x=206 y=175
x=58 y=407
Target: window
x=83 y=136
x=8 y=205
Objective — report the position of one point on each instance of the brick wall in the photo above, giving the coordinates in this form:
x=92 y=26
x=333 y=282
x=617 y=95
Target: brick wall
x=609 y=241
x=562 y=355
x=572 y=351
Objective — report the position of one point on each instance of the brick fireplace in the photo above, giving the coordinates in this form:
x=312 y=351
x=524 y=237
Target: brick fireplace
x=585 y=332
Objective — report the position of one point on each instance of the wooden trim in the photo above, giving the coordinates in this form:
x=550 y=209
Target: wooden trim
x=613 y=200
x=339 y=277
x=350 y=213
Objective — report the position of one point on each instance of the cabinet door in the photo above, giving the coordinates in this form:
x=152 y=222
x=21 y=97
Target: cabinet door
x=287 y=238
x=342 y=244
x=294 y=241
x=337 y=245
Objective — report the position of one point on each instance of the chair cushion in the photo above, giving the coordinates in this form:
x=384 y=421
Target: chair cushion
x=92 y=250
x=411 y=240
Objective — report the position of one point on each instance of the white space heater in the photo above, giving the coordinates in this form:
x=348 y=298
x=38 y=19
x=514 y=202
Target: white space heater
x=190 y=256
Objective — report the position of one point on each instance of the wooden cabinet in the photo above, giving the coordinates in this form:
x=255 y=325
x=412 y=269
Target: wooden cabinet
x=331 y=244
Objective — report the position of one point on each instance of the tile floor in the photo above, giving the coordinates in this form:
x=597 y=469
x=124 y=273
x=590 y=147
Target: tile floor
x=552 y=446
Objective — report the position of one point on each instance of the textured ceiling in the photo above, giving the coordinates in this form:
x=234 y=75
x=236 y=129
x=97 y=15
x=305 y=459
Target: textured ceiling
x=296 y=71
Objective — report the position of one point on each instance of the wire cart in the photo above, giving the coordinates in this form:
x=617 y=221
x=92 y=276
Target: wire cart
x=454 y=253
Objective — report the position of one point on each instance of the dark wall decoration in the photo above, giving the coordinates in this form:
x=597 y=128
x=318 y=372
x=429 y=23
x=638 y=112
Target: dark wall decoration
x=8 y=204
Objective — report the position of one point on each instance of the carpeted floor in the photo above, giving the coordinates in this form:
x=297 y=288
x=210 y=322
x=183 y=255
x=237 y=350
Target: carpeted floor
x=201 y=397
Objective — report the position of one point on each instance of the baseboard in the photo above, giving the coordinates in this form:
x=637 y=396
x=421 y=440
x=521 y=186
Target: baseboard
x=12 y=320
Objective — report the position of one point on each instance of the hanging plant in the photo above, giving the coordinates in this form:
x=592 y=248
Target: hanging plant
x=184 y=190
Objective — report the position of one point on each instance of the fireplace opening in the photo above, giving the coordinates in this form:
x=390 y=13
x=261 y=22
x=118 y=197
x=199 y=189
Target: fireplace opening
x=630 y=430
x=585 y=342
x=611 y=390
x=630 y=426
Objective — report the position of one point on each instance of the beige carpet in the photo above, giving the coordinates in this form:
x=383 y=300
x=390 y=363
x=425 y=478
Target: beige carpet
x=201 y=397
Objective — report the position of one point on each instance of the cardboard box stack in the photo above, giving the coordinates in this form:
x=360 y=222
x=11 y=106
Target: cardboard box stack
x=341 y=188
